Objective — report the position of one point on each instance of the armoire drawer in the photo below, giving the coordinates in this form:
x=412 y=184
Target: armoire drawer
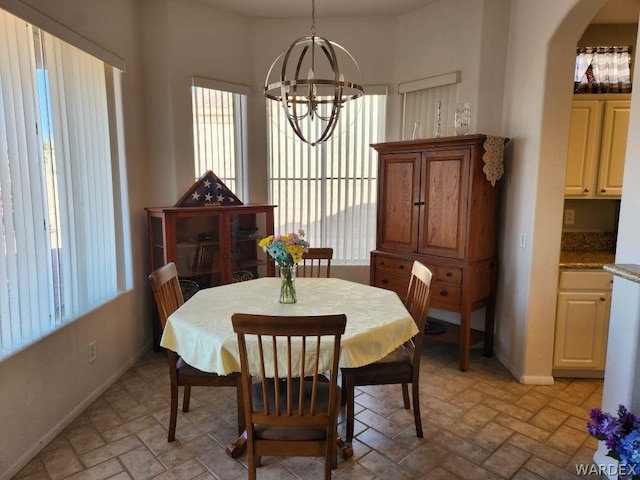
x=450 y=275
x=398 y=266
x=444 y=294
x=397 y=283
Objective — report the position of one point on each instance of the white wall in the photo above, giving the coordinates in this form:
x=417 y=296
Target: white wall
x=528 y=102
x=44 y=386
x=438 y=39
x=537 y=101
x=538 y=89
x=622 y=374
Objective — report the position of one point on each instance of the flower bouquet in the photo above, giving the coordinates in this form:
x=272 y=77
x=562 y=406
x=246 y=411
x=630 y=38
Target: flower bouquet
x=286 y=251
x=621 y=436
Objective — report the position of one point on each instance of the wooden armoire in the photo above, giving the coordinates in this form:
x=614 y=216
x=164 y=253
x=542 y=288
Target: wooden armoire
x=436 y=205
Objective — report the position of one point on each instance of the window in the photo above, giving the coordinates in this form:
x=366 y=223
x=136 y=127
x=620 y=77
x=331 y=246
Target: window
x=329 y=190
x=603 y=70
x=60 y=255
x=219 y=132
x=420 y=105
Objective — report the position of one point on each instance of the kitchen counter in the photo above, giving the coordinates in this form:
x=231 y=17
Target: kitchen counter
x=630 y=272
x=585 y=259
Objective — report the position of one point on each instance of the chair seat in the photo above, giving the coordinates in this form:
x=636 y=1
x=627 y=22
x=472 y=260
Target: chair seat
x=186 y=370
x=399 y=362
x=280 y=432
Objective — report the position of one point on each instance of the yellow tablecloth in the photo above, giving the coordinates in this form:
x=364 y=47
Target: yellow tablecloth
x=201 y=331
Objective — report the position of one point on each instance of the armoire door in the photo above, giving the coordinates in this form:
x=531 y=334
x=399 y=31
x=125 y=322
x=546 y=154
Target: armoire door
x=398 y=202
x=443 y=217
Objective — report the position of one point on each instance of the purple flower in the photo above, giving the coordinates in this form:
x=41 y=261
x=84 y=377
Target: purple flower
x=621 y=435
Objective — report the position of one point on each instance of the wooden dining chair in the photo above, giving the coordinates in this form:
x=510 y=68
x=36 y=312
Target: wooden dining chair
x=403 y=364
x=168 y=298
x=292 y=410
x=316 y=261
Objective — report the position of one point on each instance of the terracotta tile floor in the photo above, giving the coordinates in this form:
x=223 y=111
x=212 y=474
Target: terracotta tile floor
x=480 y=424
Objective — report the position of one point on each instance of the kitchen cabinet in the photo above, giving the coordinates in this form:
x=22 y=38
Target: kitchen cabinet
x=435 y=205
x=210 y=245
x=597 y=146
x=582 y=323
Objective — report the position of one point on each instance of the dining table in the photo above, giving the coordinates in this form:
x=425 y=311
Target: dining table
x=201 y=332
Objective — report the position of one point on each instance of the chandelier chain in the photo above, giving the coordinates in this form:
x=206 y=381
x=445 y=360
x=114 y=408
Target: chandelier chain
x=313 y=18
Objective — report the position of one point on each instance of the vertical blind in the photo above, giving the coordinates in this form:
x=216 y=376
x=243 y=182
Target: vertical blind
x=329 y=190
x=57 y=233
x=219 y=132
x=420 y=104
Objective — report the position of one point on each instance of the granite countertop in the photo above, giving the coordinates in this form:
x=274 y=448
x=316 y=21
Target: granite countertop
x=578 y=259
x=589 y=250
x=630 y=272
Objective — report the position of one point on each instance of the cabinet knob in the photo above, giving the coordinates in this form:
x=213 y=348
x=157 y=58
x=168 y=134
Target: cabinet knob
x=384 y=281
x=604 y=190
x=381 y=263
x=401 y=267
x=418 y=204
x=586 y=190
x=602 y=299
x=449 y=274
x=443 y=293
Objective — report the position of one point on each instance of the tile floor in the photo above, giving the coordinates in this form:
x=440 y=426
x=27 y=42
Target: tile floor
x=479 y=425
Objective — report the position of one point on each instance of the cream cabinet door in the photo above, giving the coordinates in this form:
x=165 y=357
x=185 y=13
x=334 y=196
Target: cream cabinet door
x=614 y=148
x=584 y=146
x=582 y=326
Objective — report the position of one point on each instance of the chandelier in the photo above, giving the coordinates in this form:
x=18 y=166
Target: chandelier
x=311 y=87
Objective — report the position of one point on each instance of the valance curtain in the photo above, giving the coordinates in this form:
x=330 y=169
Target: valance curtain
x=603 y=70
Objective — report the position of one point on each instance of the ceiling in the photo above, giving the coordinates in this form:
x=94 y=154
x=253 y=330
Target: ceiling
x=618 y=11
x=324 y=8
x=615 y=11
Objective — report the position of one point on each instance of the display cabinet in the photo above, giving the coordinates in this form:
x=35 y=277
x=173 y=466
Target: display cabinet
x=210 y=245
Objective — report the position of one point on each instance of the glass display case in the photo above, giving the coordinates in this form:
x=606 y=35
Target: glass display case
x=210 y=245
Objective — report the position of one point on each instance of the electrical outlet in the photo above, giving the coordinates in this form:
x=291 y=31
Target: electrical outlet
x=523 y=239
x=570 y=216
x=93 y=353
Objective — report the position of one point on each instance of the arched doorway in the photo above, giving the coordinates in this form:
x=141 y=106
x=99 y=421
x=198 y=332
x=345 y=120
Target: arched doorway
x=622 y=378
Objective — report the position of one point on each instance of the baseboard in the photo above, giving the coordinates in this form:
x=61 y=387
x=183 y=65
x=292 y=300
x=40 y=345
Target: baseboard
x=518 y=375
x=536 y=379
x=53 y=433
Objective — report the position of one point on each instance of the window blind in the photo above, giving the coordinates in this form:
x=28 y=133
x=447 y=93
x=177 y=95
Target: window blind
x=57 y=230
x=25 y=297
x=420 y=104
x=219 y=132
x=329 y=190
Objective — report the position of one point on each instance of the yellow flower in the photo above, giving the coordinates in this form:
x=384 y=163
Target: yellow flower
x=265 y=241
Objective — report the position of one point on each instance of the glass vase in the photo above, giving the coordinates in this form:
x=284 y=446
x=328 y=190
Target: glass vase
x=462 y=118
x=288 y=284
